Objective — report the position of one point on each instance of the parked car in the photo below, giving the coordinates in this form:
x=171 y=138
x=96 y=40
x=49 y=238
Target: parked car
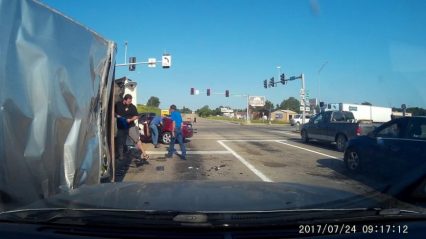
x=145 y=115
x=334 y=126
x=297 y=119
x=393 y=148
x=165 y=131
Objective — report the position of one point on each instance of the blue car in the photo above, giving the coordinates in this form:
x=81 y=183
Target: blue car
x=392 y=149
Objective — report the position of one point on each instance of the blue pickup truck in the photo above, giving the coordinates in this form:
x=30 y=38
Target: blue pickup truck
x=334 y=126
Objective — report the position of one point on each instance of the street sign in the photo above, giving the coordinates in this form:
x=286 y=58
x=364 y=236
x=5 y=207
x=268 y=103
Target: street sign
x=151 y=62
x=257 y=101
x=166 y=61
x=306 y=109
x=226 y=110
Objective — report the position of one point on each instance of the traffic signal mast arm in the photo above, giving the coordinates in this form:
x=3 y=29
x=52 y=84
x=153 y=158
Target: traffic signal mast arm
x=283 y=81
x=137 y=63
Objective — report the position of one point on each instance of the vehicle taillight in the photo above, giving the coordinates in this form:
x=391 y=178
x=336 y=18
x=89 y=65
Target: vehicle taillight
x=358 y=131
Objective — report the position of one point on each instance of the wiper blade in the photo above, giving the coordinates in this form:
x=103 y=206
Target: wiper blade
x=85 y=216
x=207 y=218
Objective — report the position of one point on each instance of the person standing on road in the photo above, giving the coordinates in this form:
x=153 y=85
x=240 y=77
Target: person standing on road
x=155 y=123
x=126 y=113
x=176 y=133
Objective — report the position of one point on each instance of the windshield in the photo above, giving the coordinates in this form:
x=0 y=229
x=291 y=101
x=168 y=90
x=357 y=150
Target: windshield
x=192 y=105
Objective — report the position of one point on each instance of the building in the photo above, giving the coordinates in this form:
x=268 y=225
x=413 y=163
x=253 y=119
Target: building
x=283 y=115
x=125 y=86
x=227 y=112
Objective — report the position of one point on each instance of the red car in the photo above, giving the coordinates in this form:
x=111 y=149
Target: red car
x=165 y=131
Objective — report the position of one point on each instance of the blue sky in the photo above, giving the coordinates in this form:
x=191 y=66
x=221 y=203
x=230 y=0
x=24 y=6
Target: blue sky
x=371 y=50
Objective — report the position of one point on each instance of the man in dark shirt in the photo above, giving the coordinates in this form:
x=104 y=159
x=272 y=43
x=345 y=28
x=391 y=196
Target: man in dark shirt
x=126 y=113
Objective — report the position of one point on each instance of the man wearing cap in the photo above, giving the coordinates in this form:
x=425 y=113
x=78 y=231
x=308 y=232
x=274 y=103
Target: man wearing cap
x=176 y=133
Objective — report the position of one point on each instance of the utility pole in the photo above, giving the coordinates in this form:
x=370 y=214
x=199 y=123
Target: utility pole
x=303 y=98
x=125 y=52
x=247 y=116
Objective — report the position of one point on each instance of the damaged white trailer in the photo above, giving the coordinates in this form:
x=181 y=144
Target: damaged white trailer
x=56 y=79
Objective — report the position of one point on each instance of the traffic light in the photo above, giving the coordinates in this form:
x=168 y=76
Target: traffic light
x=132 y=67
x=265 y=84
x=227 y=93
x=192 y=91
x=208 y=92
x=282 y=79
x=271 y=82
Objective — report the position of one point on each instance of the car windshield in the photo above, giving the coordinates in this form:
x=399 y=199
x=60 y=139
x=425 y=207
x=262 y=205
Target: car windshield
x=202 y=106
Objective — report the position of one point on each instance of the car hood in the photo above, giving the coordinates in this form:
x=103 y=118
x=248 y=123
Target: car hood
x=207 y=196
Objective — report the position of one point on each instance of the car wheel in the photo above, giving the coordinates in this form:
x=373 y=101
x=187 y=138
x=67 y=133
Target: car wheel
x=352 y=160
x=341 y=143
x=166 y=138
x=305 y=138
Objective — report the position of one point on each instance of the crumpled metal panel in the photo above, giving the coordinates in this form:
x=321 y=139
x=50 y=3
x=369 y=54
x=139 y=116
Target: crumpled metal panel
x=55 y=82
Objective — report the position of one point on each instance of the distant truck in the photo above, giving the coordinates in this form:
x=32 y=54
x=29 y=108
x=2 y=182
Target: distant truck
x=334 y=126
x=363 y=113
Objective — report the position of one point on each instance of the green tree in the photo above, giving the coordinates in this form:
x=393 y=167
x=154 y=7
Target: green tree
x=185 y=110
x=290 y=104
x=153 y=101
x=416 y=111
x=217 y=111
x=204 y=111
x=269 y=106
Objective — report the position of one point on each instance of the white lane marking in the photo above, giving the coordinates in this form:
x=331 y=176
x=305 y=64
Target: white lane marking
x=228 y=136
x=309 y=150
x=247 y=164
x=282 y=132
x=251 y=140
x=190 y=152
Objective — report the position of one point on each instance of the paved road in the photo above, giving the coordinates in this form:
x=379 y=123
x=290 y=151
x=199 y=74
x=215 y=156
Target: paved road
x=232 y=152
